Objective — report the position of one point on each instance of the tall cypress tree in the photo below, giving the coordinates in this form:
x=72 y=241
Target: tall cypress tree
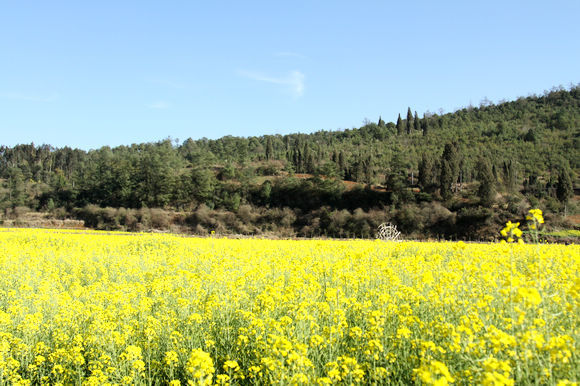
x=381 y=122
x=297 y=157
x=399 y=125
x=449 y=170
x=416 y=123
x=409 y=120
x=424 y=126
x=269 y=149
x=564 y=188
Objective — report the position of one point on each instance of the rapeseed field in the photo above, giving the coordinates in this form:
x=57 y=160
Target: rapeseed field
x=96 y=308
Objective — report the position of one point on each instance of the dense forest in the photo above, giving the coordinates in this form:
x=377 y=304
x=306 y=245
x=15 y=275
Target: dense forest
x=455 y=176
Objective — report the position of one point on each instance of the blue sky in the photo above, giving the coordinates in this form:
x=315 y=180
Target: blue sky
x=88 y=74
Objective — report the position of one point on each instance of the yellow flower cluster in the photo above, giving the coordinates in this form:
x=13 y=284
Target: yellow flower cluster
x=536 y=218
x=97 y=308
x=511 y=232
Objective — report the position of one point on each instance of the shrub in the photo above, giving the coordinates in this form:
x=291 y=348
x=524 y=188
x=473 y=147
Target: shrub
x=160 y=219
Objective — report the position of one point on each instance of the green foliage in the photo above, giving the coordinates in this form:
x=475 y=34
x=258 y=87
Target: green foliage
x=409 y=121
x=486 y=191
x=449 y=170
x=426 y=171
x=202 y=185
x=416 y=122
x=381 y=123
x=16 y=187
x=269 y=149
x=564 y=188
x=399 y=125
x=527 y=143
x=562 y=233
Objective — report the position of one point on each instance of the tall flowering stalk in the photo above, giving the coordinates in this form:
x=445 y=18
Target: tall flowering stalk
x=535 y=219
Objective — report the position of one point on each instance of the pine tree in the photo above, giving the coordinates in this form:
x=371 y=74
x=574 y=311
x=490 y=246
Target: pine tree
x=486 y=191
x=359 y=170
x=342 y=167
x=409 y=120
x=310 y=163
x=425 y=171
x=446 y=180
x=297 y=160
x=449 y=170
x=297 y=157
x=307 y=160
x=269 y=149
x=203 y=184
x=16 y=187
x=369 y=170
x=564 y=188
x=399 y=125
x=510 y=175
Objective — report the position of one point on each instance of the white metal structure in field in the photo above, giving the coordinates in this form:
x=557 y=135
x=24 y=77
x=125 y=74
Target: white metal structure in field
x=388 y=232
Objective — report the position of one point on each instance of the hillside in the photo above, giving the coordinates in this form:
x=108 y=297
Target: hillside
x=456 y=175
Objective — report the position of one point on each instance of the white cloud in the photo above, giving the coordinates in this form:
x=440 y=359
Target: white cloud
x=29 y=97
x=294 y=80
x=159 y=105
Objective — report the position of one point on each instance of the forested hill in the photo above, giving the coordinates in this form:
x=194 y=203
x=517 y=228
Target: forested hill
x=452 y=175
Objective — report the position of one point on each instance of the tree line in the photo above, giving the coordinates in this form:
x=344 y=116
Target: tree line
x=487 y=162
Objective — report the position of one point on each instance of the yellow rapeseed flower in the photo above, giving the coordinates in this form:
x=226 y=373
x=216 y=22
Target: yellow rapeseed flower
x=115 y=308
